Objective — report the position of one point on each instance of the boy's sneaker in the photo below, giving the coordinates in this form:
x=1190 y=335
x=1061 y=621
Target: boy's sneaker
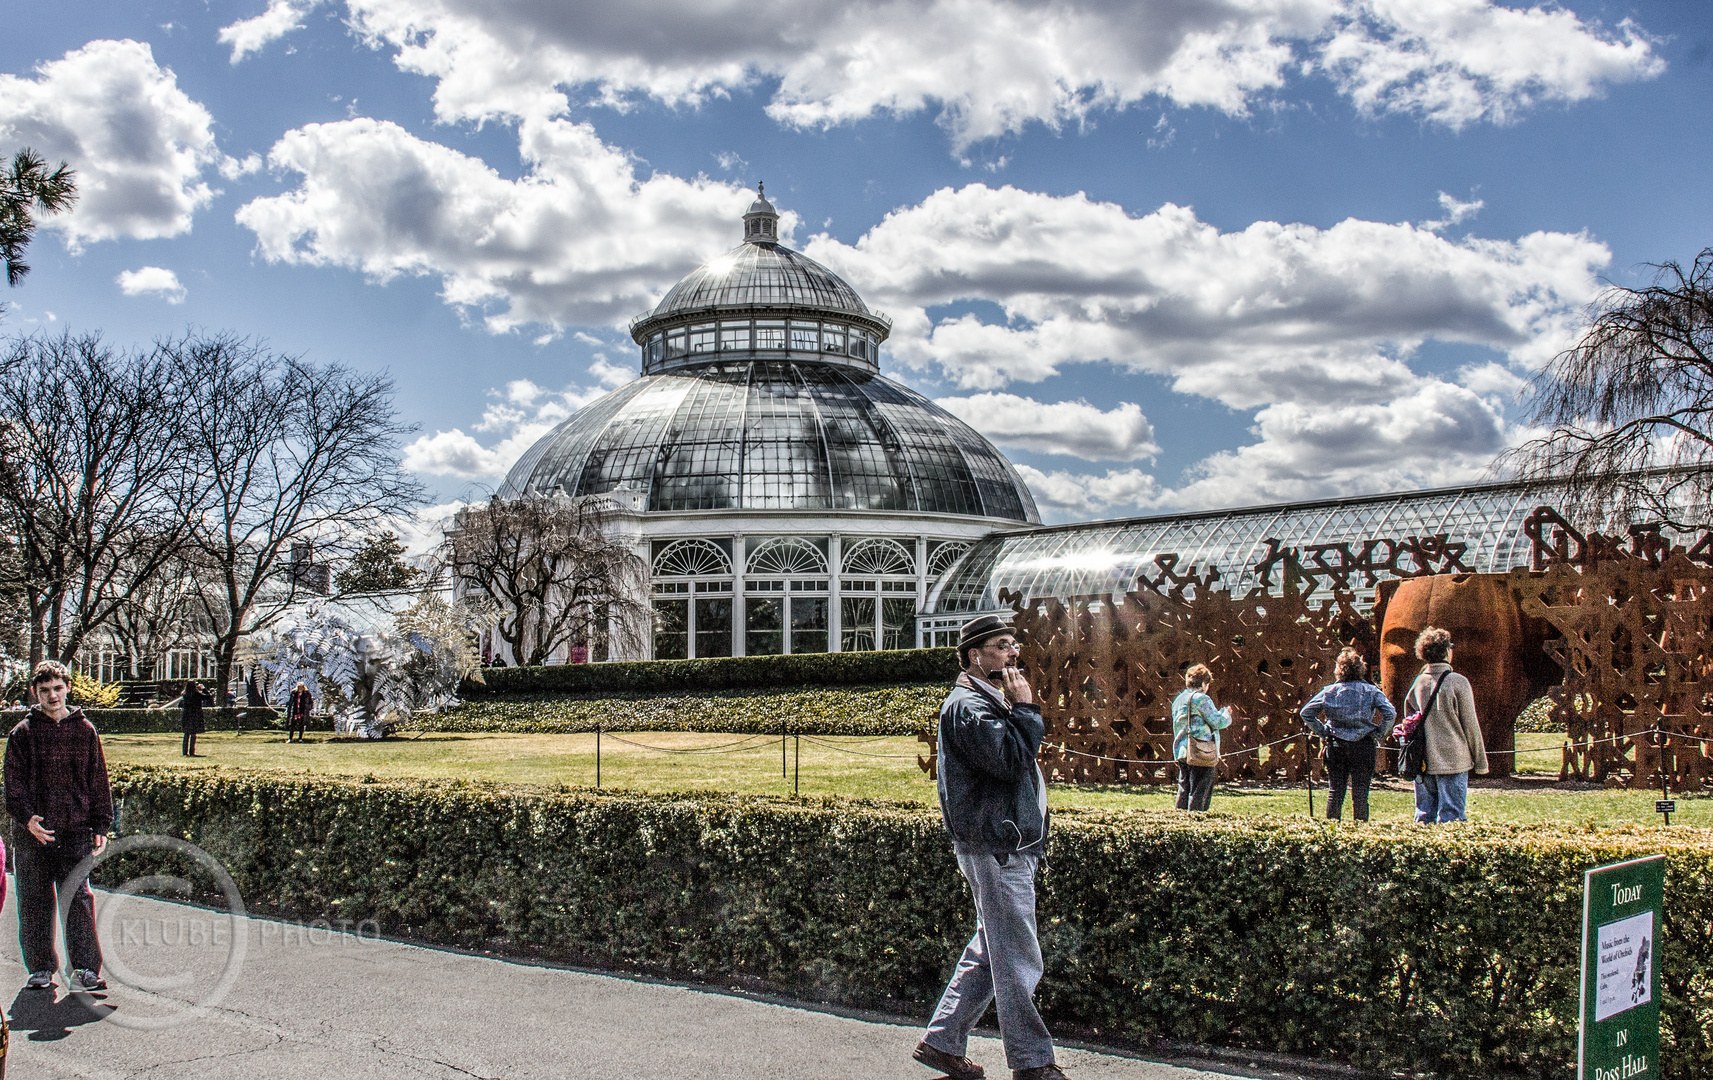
x=40 y=980
x=83 y=981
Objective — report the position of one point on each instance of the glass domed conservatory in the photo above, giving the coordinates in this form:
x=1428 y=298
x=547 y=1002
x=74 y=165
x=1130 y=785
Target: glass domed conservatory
x=787 y=496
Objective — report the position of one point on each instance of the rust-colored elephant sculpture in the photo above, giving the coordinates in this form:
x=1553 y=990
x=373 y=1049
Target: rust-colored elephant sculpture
x=1497 y=648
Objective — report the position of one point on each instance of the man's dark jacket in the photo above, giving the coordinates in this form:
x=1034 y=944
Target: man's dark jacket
x=992 y=795
x=59 y=772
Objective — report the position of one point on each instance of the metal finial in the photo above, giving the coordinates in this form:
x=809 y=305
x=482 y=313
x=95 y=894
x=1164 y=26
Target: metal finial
x=760 y=190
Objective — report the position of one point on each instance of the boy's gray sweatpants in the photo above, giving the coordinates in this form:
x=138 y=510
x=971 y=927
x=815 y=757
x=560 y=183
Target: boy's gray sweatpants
x=1001 y=964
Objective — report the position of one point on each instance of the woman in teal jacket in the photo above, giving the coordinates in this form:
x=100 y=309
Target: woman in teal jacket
x=1194 y=717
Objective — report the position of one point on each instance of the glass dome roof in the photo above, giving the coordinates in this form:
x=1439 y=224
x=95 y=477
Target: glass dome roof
x=757 y=274
x=775 y=435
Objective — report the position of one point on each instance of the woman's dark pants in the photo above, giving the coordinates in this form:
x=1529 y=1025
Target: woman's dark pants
x=1349 y=763
x=189 y=747
x=1195 y=786
x=294 y=727
x=40 y=868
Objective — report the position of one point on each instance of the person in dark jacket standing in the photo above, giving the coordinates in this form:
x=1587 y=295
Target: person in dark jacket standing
x=1353 y=716
x=298 y=708
x=61 y=809
x=993 y=800
x=190 y=716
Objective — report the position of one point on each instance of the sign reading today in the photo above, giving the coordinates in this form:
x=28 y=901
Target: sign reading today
x=1622 y=908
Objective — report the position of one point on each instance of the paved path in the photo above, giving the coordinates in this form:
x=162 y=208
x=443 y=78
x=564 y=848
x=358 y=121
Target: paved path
x=317 y=1005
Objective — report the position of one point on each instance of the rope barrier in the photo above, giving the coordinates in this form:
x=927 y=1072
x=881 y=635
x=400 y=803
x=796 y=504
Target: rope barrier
x=750 y=743
x=860 y=753
x=1063 y=749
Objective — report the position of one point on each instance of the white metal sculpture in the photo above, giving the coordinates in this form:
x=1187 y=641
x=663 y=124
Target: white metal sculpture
x=382 y=682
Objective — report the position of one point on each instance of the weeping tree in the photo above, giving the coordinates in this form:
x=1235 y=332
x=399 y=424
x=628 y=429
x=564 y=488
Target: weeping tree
x=1627 y=411
x=554 y=570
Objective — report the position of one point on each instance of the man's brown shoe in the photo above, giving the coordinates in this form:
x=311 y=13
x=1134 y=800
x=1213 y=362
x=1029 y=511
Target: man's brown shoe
x=958 y=1068
x=1040 y=1072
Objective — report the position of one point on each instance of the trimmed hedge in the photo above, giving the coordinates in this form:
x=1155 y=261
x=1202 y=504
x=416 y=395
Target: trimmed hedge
x=872 y=710
x=1448 y=950
x=722 y=673
x=149 y=721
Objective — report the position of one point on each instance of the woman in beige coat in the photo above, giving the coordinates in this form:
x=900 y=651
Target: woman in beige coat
x=1454 y=746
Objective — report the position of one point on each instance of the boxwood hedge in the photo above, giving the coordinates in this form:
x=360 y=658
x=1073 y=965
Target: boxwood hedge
x=722 y=673
x=145 y=721
x=1449 y=950
x=870 y=710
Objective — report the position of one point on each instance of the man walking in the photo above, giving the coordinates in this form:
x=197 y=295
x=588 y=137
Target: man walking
x=61 y=808
x=993 y=799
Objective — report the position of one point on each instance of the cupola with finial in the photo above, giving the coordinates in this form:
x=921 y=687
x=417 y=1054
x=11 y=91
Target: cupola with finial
x=761 y=220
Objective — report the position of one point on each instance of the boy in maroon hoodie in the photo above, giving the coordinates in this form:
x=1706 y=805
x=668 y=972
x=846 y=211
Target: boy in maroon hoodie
x=61 y=808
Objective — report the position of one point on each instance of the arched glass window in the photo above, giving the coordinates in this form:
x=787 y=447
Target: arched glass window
x=787 y=555
x=785 y=602
x=944 y=556
x=691 y=558
x=879 y=557
x=877 y=596
x=692 y=600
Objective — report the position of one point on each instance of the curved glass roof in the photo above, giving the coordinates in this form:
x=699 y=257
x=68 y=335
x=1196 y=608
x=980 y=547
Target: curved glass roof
x=765 y=435
x=761 y=275
x=1482 y=524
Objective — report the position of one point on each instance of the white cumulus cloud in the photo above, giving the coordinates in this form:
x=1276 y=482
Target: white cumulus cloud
x=519 y=414
x=140 y=145
x=1456 y=62
x=1063 y=495
x=1437 y=434
x=1075 y=428
x=252 y=35
x=1271 y=313
x=155 y=280
x=989 y=67
x=580 y=239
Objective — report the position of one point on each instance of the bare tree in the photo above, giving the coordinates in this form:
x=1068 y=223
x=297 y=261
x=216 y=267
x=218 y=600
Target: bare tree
x=93 y=485
x=554 y=569
x=295 y=453
x=160 y=611
x=1634 y=394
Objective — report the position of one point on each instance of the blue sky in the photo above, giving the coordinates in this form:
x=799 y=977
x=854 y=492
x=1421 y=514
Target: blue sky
x=1166 y=253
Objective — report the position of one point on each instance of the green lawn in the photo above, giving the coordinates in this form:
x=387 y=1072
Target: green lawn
x=880 y=768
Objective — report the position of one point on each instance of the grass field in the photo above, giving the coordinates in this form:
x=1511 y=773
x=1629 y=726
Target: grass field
x=877 y=768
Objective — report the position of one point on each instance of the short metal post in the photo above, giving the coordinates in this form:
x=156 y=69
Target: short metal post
x=1308 y=761
x=597 y=756
x=782 y=741
x=1664 y=777
x=796 y=764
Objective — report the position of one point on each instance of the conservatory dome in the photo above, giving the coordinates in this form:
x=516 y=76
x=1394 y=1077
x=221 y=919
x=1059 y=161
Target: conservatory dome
x=761 y=391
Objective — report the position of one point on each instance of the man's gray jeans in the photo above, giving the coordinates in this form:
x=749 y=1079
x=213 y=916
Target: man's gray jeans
x=1001 y=964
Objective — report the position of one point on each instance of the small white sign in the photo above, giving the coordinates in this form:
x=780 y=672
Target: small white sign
x=1626 y=965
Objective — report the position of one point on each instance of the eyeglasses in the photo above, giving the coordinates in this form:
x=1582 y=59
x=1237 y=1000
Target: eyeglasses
x=1005 y=646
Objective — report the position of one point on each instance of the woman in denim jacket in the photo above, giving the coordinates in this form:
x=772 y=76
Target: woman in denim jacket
x=1353 y=715
x=1194 y=716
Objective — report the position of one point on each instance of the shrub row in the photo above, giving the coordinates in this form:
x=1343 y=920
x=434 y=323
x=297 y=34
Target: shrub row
x=874 y=710
x=146 y=721
x=722 y=673
x=1451 y=951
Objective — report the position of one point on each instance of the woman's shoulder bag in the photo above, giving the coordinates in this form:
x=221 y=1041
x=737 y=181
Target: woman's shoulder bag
x=1412 y=758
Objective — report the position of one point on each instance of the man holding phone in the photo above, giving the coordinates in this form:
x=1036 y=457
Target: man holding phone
x=993 y=800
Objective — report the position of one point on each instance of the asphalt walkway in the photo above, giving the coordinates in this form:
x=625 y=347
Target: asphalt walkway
x=310 y=1003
